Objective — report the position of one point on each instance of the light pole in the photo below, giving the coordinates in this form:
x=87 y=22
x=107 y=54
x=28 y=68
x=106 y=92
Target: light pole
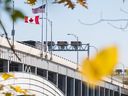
x=77 y=48
x=51 y=35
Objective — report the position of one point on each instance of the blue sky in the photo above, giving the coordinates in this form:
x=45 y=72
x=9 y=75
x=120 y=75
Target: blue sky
x=66 y=21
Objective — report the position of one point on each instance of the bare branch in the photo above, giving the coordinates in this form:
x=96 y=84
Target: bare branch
x=6 y=35
x=126 y=26
x=103 y=20
x=126 y=12
x=109 y=20
x=114 y=26
x=121 y=28
x=99 y=21
x=115 y=20
x=124 y=1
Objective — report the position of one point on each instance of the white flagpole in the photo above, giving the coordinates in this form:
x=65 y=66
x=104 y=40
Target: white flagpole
x=46 y=27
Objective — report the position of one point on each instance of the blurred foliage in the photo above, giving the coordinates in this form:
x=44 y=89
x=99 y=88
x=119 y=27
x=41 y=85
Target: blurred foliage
x=68 y=3
x=31 y=2
x=71 y=4
x=6 y=76
x=99 y=66
x=18 y=89
x=9 y=89
x=8 y=94
x=1 y=87
x=14 y=14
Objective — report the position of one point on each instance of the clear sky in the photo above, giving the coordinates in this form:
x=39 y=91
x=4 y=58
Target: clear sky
x=67 y=21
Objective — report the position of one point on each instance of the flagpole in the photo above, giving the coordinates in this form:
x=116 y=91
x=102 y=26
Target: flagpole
x=13 y=29
x=42 y=35
x=46 y=27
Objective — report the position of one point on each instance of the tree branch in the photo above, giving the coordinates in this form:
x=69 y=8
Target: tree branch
x=121 y=28
x=109 y=20
x=126 y=12
x=6 y=36
x=103 y=20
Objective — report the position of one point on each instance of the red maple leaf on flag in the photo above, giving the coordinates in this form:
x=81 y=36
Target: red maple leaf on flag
x=34 y=20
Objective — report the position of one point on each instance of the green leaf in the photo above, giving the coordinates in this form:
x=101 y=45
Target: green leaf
x=17 y=15
x=7 y=1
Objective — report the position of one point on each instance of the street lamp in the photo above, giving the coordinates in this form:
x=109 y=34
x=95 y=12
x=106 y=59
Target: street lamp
x=89 y=46
x=94 y=48
x=77 y=48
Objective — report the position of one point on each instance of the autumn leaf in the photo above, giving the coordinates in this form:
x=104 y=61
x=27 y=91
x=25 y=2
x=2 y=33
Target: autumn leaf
x=82 y=3
x=31 y=2
x=99 y=66
x=68 y=3
x=6 y=76
x=18 y=89
x=8 y=94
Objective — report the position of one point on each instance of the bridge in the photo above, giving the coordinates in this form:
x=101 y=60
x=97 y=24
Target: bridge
x=44 y=76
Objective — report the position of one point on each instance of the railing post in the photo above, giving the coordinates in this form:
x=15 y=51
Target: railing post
x=87 y=89
x=8 y=65
x=73 y=86
x=66 y=85
x=57 y=79
x=99 y=90
x=81 y=85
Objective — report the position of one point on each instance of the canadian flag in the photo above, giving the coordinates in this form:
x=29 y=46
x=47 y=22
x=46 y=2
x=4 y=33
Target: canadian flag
x=33 y=20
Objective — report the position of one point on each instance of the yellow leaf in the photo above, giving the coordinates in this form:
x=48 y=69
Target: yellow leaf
x=6 y=76
x=18 y=89
x=8 y=94
x=99 y=66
